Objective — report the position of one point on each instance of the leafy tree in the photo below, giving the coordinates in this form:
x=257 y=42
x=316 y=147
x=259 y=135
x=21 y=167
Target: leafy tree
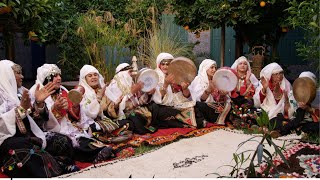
x=255 y=22
x=305 y=15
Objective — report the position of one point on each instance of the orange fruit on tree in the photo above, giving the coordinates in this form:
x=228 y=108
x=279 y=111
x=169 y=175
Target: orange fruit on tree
x=186 y=27
x=262 y=4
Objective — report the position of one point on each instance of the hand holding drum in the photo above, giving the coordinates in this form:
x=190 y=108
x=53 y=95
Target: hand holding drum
x=75 y=95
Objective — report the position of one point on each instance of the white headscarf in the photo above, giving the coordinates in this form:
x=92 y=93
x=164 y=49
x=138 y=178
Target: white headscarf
x=310 y=75
x=121 y=66
x=201 y=81
x=253 y=78
x=161 y=57
x=269 y=104
x=9 y=100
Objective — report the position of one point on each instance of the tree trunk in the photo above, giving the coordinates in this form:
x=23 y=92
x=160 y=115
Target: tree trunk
x=239 y=43
x=223 y=41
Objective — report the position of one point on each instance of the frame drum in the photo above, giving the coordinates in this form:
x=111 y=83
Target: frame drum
x=225 y=79
x=75 y=95
x=304 y=90
x=149 y=77
x=183 y=69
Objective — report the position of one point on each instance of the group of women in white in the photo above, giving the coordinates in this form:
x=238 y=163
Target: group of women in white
x=43 y=133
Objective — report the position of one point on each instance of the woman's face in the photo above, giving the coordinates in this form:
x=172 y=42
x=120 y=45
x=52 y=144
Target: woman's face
x=242 y=66
x=211 y=70
x=57 y=81
x=18 y=75
x=164 y=66
x=277 y=77
x=92 y=79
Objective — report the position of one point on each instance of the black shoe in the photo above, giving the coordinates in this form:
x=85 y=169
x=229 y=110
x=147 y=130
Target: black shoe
x=104 y=154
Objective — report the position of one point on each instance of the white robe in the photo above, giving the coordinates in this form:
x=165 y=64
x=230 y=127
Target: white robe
x=269 y=103
x=8 y=102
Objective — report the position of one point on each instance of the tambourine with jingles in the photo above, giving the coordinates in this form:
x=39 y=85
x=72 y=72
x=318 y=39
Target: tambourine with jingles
x=183 y=69
x=225 y=79
x=75 y=95
x=304 y=90
x=149 y=77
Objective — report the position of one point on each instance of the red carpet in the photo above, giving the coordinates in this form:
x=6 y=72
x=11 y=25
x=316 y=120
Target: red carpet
x=162 y=136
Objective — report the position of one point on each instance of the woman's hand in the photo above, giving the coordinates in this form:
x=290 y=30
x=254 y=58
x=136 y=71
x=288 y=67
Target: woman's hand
x=101 y=92
x=151 y=91
x=248 y=76
x=42 y=94
x=60 y=103
x=136 y=87
x=25 y=101
x=184 y=85
x=169 y=79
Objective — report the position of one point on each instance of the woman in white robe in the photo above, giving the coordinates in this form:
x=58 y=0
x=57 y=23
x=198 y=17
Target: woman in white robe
x=129 y=105
x=210 y=101
x=64 y=116
x=242 y=96
x=22 y=142
x=175 y=103
x=272 y=94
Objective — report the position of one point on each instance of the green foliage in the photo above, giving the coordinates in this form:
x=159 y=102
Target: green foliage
x=261 y=153
x=305 y=14
x=161 y=40
x=97 y=33
x=253 y=24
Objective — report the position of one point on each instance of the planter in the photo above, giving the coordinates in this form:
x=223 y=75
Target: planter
x=257 y=59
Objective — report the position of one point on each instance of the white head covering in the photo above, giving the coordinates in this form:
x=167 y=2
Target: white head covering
x=310 y=75
x=43 y=72
x=270 y=69
x=10 y=100
x=269 y=103
x=89 y=91
x=8 y=84
x=201 y=81
x=46 y=71
x=253 y=78
x=121 y=66
x=161 y=57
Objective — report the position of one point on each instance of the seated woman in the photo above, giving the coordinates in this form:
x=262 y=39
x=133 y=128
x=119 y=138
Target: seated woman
x=127 y=103
x=242 y=96
x=306 y=116
x=64 y=117
x=272 y=94
x=94 y=102
x=22 y=142
x=214 y=104
x=176 y=109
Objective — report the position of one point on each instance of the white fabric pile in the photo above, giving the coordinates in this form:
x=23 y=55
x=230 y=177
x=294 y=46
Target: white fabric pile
x=188 y=158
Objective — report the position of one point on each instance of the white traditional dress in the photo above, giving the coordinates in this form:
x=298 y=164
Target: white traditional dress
x=20 y=136
x=211 y=105
x=271 y=105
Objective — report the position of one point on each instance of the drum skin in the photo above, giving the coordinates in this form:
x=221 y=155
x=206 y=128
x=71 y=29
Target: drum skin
x=75 y=95
x=183 y=69
x=225 y=79
x=149 y=77
x=304 y=90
